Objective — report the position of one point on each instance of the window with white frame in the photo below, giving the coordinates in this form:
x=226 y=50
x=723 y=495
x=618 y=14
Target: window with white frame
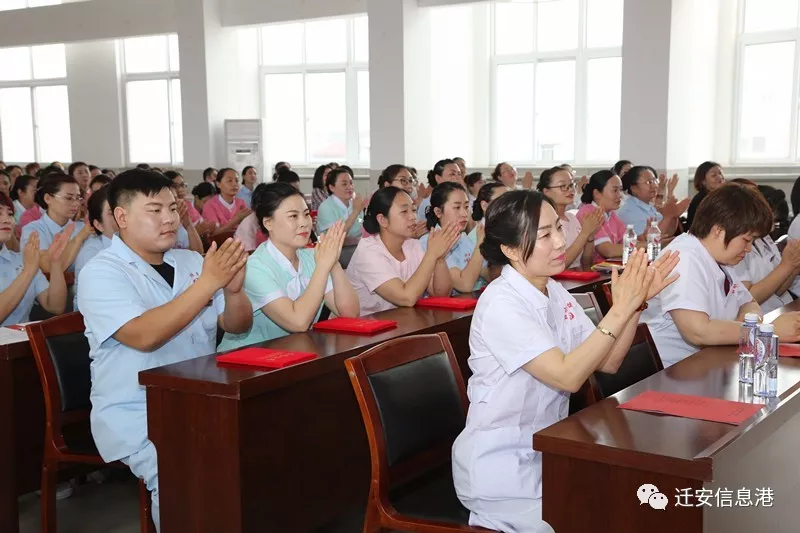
x=315 y=91
x=34 y=107
x=7 y=5
x=152 y=88
x=767 y=88
x=556 y=81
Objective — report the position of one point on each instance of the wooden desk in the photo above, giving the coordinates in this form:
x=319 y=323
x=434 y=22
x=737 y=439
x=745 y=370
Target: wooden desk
x=242 y=450
x=594 y=461
x=22 y=437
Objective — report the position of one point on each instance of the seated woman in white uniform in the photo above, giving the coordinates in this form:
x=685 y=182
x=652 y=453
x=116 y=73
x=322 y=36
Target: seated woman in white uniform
x=706 y=306
x=532 y=345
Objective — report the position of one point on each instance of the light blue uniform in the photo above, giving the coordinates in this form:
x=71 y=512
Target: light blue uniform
x=183 y=238
x=459 y=256
x=423 y=206
x=332 y=210
x=116 y=287
x=10 y=267
x=47 y=229
x=473 y=235
x=246 y=195
x=269 y=275
x=93 y=246
x=636 y=212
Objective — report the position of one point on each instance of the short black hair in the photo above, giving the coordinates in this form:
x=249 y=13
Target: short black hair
x=95 y=205
x=270 y=198
x=127 y=185
x=207 y=172
x=737 y=209
x=512 y=220
x=172 y=174
x=94 y=167
x=318 y=181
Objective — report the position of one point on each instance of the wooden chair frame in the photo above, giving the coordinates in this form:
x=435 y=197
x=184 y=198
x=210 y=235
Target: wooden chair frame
x=56 y=450
x=381 y=514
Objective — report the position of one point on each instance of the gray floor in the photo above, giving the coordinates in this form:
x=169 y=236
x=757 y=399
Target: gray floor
x=113 y=507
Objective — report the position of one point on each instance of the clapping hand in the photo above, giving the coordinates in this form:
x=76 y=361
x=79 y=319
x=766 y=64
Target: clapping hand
x=329 y=247
x=221 y=266
x=442 y=240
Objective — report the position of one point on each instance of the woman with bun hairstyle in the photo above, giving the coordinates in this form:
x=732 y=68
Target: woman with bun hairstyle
x=285 y=281
x=443 y=171
x=389 y=268
x=531 y=346
x=488 y=193
x=450 y=205
x=604 y=191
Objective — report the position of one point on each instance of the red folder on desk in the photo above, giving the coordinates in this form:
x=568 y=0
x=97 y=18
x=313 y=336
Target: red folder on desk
x=788 y=350
x=688 y=406
x=265 y=358
x=576 y=275
x=363 y=326
x=446 y=302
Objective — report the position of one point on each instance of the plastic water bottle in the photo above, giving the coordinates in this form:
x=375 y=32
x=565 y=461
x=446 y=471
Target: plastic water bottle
x=764 y=347
x=747 y=350
x=653 y=241
x=772 y=369
x=628 y=244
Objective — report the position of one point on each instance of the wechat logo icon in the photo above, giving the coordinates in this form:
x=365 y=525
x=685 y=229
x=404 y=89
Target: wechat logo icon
x=650 y=495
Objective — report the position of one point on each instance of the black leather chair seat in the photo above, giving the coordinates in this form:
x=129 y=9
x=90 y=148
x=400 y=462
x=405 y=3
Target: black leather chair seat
x=431 y=497
x=78 y=438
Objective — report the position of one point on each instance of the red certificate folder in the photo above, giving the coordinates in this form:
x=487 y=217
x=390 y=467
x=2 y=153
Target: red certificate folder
x=265 y=358
x=363 y=326
x=688 y=406
x=446 y=302
x=788 y=350
x=577 y=275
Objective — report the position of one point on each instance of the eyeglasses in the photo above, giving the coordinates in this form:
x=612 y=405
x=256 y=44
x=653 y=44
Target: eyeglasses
x=648 y=182
x=402 y=181
x=565 y=187
x=69 y=199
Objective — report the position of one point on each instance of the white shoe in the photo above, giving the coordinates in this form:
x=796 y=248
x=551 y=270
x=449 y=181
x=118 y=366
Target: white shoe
x=64 y=491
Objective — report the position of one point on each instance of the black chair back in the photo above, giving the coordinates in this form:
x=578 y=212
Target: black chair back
x=419 y=404
x=641 y=361
x=70 y=356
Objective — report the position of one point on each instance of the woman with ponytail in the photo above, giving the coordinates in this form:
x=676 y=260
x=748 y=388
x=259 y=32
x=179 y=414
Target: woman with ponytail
x=389 y=268
x=450 y=205
x=443 y=171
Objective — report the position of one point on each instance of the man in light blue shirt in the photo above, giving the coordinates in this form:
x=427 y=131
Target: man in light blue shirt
x=146 y=305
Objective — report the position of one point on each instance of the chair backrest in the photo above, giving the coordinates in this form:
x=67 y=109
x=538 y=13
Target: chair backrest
x=641 y=361
x=413 y=401
x=62 y=356
x=220 y=238
x=602 y=297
